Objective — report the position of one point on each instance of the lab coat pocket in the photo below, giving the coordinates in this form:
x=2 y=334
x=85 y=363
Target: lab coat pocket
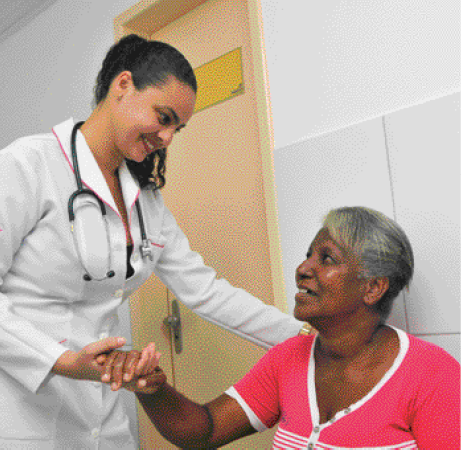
x=156 y=244
x=143 y=270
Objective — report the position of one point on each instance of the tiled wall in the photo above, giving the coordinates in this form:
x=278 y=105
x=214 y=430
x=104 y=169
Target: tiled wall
x=406 y=165
x=424 y=153
x=332 y=64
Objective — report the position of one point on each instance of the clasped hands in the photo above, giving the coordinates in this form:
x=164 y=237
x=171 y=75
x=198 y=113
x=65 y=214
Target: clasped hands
x=132 y=370
x=103 y=361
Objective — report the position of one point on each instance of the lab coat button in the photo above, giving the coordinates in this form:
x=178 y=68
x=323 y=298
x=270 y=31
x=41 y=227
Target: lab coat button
x=316 y=429
x=119 y=293
x=95 y=433
x=310 y=446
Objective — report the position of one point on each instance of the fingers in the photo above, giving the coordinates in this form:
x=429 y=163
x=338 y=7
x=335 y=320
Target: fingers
x=149 y=360
x=107 y=375
x=154 y=368
x=122 y=367
x=101 y=359
x=117 y=371
x=119 y=368
x=130 y=365
x=104 y=345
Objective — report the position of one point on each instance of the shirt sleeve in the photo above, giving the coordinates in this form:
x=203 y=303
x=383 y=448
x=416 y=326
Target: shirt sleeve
x=27 y=354
x=436 y=419
x=215 y=300
x=258 y=391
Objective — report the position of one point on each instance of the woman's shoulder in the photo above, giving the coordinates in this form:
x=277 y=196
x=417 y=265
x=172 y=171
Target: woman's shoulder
x=295 y=346
x=429 y=356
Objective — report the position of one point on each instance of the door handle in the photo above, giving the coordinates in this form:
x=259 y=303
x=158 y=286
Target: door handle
x=173 y=322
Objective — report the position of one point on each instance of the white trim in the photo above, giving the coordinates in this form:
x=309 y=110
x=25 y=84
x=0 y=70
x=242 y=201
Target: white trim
x=252 y=417
x=289 y=440
x=404 y=344
x=409 y=445
x=315 y=414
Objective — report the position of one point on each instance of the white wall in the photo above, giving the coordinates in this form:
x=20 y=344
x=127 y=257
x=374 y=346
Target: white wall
x=334 y=63
x=49 y=66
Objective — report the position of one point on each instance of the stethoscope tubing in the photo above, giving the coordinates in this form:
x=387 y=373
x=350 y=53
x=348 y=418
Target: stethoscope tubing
x=80 y=189
x=145 y=248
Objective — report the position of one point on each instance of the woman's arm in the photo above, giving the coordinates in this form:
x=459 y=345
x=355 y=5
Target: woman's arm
x=180 y=420
x=190 y=425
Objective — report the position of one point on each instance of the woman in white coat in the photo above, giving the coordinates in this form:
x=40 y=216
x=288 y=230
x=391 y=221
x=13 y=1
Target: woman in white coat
x=60 y=287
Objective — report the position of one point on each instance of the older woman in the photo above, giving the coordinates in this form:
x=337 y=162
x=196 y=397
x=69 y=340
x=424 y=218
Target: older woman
x=358 y=383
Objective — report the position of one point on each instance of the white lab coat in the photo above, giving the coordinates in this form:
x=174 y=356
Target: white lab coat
x=47 y=308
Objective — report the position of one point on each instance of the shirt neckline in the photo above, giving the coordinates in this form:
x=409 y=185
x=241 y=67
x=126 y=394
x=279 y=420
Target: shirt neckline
x=315 y=415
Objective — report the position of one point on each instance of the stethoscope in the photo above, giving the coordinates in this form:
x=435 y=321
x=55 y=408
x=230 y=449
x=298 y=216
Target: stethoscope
x=146 y=251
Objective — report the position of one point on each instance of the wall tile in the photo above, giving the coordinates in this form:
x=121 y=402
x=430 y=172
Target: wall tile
x=424 y=154
x=397 y=317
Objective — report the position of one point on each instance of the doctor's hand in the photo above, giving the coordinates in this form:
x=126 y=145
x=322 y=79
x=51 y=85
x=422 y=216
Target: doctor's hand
x=83 y=365
x=129 y=368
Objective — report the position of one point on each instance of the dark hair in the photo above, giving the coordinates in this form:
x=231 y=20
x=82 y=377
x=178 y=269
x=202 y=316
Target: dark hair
x=381 y=245
x=151 y=63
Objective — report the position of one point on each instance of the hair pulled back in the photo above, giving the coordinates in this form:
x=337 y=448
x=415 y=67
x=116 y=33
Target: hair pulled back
x=151 y=63
x=381 y=245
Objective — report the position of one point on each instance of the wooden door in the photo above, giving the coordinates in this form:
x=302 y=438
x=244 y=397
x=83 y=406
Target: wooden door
x=220 y=189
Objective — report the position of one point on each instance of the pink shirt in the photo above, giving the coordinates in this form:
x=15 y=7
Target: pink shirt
x=416 y=405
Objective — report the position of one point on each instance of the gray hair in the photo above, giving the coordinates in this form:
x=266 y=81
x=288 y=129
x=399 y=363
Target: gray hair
x=380 y=244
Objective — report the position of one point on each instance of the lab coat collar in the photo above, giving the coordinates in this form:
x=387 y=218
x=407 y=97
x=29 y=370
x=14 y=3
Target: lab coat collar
x=90 y=172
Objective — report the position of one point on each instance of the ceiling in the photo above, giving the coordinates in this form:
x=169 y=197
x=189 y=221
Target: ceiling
x=15 y=14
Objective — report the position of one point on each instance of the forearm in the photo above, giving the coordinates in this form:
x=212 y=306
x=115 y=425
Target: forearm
x=64 y=363
x=178 y=419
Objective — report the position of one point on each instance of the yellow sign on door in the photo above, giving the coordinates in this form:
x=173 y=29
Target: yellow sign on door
x=219 y=80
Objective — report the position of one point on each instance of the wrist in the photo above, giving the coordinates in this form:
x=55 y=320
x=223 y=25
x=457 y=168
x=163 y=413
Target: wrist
x=156 y=390
x=65 y=363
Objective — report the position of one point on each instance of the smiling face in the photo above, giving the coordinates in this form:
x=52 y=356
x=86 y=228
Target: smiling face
x=146 y=120
x=328 y=280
